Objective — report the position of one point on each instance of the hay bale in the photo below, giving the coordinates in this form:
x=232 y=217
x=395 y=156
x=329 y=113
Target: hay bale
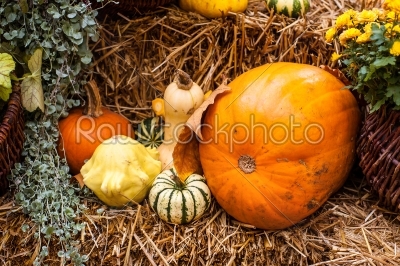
x=349 y=229
x=136 y=57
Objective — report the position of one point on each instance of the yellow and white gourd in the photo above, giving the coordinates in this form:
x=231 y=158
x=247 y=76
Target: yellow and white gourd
x=214 y=8
x=181 y=98
x=290 y=8
x=176 y=202
x=121 y=170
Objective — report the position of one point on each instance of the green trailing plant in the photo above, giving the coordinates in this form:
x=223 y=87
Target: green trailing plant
x=61 y=30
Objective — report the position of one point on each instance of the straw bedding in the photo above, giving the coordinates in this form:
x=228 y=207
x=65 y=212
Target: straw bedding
x=134 y=62
x=137 y=56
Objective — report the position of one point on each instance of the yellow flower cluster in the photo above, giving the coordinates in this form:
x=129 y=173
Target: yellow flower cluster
x=357 y=26
x=393 y=5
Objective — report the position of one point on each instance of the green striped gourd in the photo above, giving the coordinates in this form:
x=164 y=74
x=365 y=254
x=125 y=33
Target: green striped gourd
x=177 y=202
x=150 y=132
x=290 y=8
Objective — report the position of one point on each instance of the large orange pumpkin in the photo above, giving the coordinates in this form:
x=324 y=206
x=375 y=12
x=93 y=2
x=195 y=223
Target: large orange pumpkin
x=86 y=128
x=279 y=143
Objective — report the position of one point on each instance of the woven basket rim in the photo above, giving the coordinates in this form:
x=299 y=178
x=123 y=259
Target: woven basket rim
x=15 y=99
x=378 y=148
x=11 y=136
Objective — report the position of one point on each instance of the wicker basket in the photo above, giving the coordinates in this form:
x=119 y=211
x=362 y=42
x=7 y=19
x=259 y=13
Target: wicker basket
x=11 y=137
x=379 y=152
x=127 y=7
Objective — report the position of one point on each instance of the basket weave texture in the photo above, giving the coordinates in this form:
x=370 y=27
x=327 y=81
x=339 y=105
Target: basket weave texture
x=379 y=152
x=11 y=137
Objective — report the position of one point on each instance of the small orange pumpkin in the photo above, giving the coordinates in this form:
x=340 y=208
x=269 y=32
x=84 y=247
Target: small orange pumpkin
x=279 y=143
x=86 y=128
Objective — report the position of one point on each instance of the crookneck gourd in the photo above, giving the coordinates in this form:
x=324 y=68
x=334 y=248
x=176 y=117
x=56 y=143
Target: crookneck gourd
x=279 y=143
x=181 y=98
x=179 y=202
x=121 y=170
x=87 y=127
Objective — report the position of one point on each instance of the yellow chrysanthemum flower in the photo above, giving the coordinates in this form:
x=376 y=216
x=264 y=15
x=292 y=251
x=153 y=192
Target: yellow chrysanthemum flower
x=352 y=17
x=380 y=13
x=368 y=28
x=352 y=33
x=351 y=12
x=349 y=34
x=343 y=39
x=330 y=34
x=391 y=16
x=396 y=28
x=335 y=56
x=363 y=38
x=366 y=16
x=395 y=50
x=392 y=5
x=389 y=26
x=343 y=21
x=391 y=30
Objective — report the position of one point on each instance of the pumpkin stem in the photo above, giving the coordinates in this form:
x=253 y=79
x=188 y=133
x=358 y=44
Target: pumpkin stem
x=178 y=182
x=93 y=107
x=247 y=164
x=183 y=80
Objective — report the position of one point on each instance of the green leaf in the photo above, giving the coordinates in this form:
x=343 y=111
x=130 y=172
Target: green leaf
x=5 y=93
x=378 y=34
x=363 y=70
x=77 y=35
x=381 y=49
x=54 y=12
x=384 y=61
x=61 y=48
x=377 y=105
x=69 y=212
x=49 y=230
x=86 y=60
x=11 y=17
x=392 y=80
x=71 y=15
x=67 y=29
x=394 y=91
x=31 y=86
x=7 y=65
x=371 y=71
